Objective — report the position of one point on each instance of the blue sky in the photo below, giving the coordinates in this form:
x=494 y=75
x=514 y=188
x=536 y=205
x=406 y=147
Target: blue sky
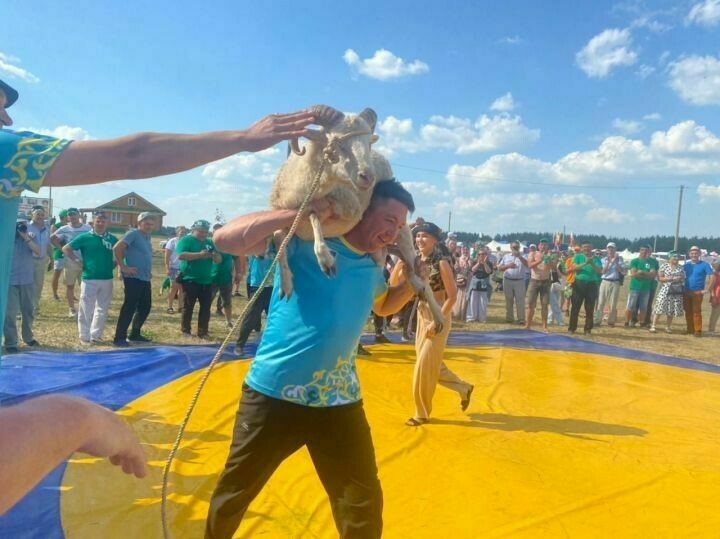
x=515 y=115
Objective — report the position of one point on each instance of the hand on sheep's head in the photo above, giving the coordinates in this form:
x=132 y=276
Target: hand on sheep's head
x=275 y=128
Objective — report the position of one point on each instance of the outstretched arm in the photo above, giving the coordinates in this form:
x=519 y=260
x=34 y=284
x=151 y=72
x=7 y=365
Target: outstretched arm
x=146 y=155
x=39 y=434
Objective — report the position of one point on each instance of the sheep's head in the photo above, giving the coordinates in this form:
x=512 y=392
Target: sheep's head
x=346 y=139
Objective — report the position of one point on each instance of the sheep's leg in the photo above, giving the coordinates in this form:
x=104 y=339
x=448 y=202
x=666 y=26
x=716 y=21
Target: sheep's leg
x=286 y=276
x=407 y=254
x=322 y=252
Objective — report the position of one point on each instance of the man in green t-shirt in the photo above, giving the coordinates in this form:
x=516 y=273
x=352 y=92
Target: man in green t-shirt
x=643 y=271
x=97 y=262
x=224 y=275
x=197 y=254
x=587 y=269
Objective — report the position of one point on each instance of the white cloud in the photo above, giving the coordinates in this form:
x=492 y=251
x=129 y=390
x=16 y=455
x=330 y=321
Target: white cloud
x=62 y=131
x=9 y=65
x=644 y=71
x=627 y=127
x=608 y=215
x=686 y=150
x=259 y=168
x=664 y=57
x=708 y=193
x=705 y=13
x=425 y=188
x=571 y=200
x=696 y=79
x=687 y=138
x=653 y=116
x=384 y=65
x=510 y=40
x=651 y=24
x=460 y=135
x=504 y=103
x=606 y=51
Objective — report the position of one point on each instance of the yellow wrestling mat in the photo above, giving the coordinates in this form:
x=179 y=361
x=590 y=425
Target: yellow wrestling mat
x=556 y=443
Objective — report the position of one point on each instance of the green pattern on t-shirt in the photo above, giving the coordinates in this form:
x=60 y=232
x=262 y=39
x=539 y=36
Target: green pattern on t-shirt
x=97 y=255
x=643 y=264
x=199 y=271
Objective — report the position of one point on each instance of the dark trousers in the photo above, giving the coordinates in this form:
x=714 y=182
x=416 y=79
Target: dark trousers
x=267 y=431
x=135 y=308
x=583 y=292
x=253 y=320
x=379 y=322
x=195 y=292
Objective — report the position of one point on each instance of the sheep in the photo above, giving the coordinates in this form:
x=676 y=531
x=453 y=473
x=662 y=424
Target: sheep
x=347 y=184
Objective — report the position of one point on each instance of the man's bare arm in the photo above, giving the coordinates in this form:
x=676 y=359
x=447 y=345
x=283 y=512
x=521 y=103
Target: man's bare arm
x=39 y=434
x=247 y=234
x=146 y=155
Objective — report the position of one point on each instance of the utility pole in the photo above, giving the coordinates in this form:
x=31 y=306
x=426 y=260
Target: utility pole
x=449 y=221
x=677 y=223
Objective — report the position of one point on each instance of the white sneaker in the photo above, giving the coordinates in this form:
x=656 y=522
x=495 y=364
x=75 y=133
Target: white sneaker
x=72 y=313
x=652 y=329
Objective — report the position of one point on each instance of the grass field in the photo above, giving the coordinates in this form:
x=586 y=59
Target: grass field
x=56 y=331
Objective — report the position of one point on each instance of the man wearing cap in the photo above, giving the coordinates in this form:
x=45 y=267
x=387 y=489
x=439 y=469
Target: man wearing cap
x=696 y=283
x=613 y=271
x=643 y=271
x=513 y=267
x=197 y=254
x=97 y=262
x=587 y=269
x=29 y=160
x=541 y=263
x=61 y=237
x=133 y=255
x=40 y=233
x=20 y=290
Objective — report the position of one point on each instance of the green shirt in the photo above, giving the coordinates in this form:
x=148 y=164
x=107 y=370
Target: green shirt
x=640 y=264
x=198 y=271
x=586 y=273
x=222 y=273
x=97 y=255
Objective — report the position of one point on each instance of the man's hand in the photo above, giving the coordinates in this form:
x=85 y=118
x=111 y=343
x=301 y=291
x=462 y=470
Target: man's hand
x=276 y=127
x=112 y=438
x=323 y=208
x=129 y=270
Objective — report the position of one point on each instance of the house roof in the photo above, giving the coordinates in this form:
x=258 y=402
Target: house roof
x=118 y=204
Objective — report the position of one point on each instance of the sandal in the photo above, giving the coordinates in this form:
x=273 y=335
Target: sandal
x=170 y=310
x=416 y=422
x=464 y=403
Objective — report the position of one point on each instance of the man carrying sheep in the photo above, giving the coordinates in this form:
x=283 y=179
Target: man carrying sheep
x=302 y=388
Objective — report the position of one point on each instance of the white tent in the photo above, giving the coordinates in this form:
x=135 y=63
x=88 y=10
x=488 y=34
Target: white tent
x=627 y=255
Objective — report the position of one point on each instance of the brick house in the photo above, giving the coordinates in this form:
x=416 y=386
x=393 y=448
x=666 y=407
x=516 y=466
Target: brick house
x=123 y=211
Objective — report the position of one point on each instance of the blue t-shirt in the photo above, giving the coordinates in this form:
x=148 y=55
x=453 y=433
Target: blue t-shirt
x=307 y=353
x=25 y=159
x=695 y=275
x=138 y=254
x=257 y=268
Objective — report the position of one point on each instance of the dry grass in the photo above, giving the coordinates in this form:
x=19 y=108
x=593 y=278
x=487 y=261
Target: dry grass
x=55 y=330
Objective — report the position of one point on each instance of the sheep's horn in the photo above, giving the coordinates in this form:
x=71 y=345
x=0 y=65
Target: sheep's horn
x=316 y=135
x=295 y=146
x=326 y=116
x=370 y=117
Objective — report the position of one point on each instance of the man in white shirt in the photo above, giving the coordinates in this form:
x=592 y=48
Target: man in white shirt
x=613 y=271
x=513 y=267
x=40 y=233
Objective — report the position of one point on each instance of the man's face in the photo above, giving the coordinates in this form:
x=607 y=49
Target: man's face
x=611 y=252
x=181 y=231
x=200 y=233
x=5 y=120
x=146 y=225
x=38 y=217
x=694 y=254
x=543 y=247
x=74 y=219
x=99 y=224
x=451 y=245
x=644 y=252
x=587 y=249
x=380 y=225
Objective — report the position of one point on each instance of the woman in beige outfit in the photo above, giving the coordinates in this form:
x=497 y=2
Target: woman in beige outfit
x=430 y=344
